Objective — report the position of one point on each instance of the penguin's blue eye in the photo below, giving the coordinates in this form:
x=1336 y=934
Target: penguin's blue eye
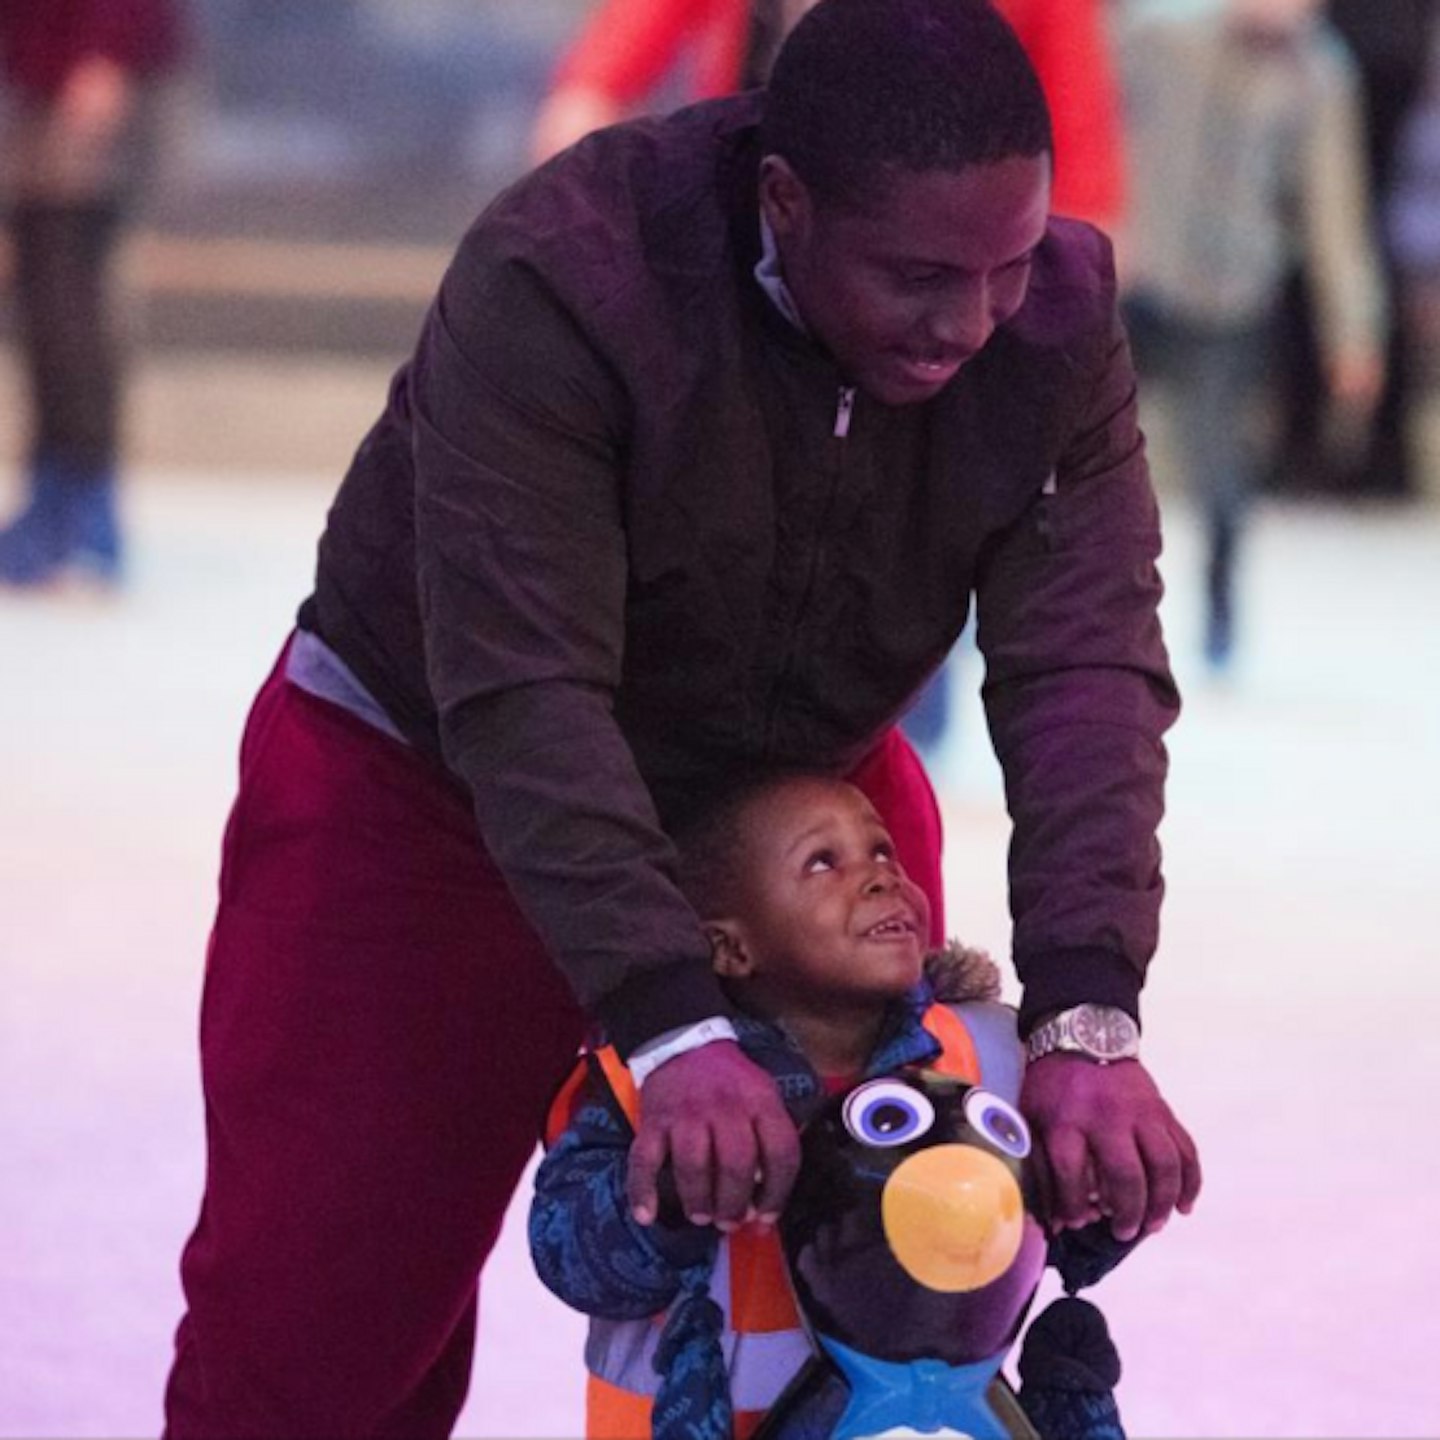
x=999 y=1122
x=887 y=1112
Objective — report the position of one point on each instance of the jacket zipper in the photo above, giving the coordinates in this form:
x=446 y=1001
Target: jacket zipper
x=844 y=411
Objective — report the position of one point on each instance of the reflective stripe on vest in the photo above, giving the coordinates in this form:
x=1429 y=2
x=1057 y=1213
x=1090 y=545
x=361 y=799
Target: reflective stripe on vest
x=994 y=1033
x=763 y=1342
x=983 y=1035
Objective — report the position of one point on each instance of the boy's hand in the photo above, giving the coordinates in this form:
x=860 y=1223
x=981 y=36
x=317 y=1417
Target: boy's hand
x=1106 y=1144
x=719 y=1120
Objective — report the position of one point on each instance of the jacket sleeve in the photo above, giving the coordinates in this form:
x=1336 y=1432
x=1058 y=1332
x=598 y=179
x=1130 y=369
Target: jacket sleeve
x=519 y=430
x=1078 y=694
x=587 y=1249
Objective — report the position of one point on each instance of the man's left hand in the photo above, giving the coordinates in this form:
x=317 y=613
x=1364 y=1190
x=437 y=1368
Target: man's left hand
x=1106 y=1145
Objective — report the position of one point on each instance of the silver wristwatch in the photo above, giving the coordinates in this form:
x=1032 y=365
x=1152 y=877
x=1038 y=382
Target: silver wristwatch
x=1103 y=1033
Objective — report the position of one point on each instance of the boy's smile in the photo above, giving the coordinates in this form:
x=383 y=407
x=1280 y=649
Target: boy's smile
x=900 y=926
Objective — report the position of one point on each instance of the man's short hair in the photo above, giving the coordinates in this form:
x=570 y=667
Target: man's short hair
x=866 y=88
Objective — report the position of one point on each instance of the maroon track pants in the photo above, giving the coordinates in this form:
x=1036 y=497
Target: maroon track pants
x=380 y=1036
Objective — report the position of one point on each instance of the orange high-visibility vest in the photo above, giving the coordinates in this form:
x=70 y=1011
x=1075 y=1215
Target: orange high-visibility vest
x=762 y=1338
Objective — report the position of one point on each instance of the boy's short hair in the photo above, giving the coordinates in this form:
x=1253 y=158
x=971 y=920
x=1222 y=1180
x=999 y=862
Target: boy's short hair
x=710 y=843
x=862 y=88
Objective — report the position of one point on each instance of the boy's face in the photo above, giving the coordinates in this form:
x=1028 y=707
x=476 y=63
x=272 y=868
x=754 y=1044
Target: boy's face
x=826 y=911
x=908 y=286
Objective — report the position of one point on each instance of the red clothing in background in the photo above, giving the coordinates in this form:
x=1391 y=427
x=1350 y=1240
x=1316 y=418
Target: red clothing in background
x=1069 y=47
x=626 y=47
x=41 y=41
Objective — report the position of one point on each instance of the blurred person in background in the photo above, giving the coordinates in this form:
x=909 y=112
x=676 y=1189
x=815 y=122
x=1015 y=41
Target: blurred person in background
x=627 y=46
x=1392 y=42
x=1245 y=146
x=1414 y=233
x=717 y=429
x=84 y=83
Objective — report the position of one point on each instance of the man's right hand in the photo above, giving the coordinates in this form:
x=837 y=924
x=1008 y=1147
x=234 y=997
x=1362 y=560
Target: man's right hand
x=719 y=1121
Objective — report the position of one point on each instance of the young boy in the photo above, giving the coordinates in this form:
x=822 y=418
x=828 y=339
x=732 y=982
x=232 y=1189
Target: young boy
x=820 y=939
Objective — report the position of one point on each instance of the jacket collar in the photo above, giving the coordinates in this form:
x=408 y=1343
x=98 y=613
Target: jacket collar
x=772 y=280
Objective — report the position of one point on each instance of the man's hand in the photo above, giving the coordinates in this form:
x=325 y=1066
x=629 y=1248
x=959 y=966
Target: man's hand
x=719 y=1120
x=1106 y=1144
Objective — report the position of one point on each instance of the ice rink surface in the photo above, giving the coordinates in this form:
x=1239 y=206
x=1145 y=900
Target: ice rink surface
x=1292 y=1013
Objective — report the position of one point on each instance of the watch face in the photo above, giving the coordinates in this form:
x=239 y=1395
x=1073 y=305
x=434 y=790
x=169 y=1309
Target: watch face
x=1104 y=1030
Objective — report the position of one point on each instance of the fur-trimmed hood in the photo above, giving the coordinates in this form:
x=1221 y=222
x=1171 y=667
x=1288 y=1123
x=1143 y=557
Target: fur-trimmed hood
x=959 y=973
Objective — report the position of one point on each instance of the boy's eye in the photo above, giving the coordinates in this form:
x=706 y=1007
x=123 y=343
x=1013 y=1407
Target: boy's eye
x=819 y=861
x=885 y=853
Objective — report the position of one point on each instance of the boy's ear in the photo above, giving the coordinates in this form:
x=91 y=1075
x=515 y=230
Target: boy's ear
x=727 y=946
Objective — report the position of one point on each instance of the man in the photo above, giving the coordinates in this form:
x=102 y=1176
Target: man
x=715 y=426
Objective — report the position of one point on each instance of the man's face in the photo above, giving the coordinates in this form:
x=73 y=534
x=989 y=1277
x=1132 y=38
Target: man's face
x=828 y=914
x=907 y=285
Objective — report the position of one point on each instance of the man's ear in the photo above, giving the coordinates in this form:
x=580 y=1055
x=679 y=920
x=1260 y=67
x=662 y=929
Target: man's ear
x=733 y=960
x=784 y=197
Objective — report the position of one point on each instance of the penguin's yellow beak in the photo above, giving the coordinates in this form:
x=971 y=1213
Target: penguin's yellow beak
x=954 y=1217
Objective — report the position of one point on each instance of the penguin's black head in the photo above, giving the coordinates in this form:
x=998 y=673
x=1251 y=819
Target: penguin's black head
x=907 y=1233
